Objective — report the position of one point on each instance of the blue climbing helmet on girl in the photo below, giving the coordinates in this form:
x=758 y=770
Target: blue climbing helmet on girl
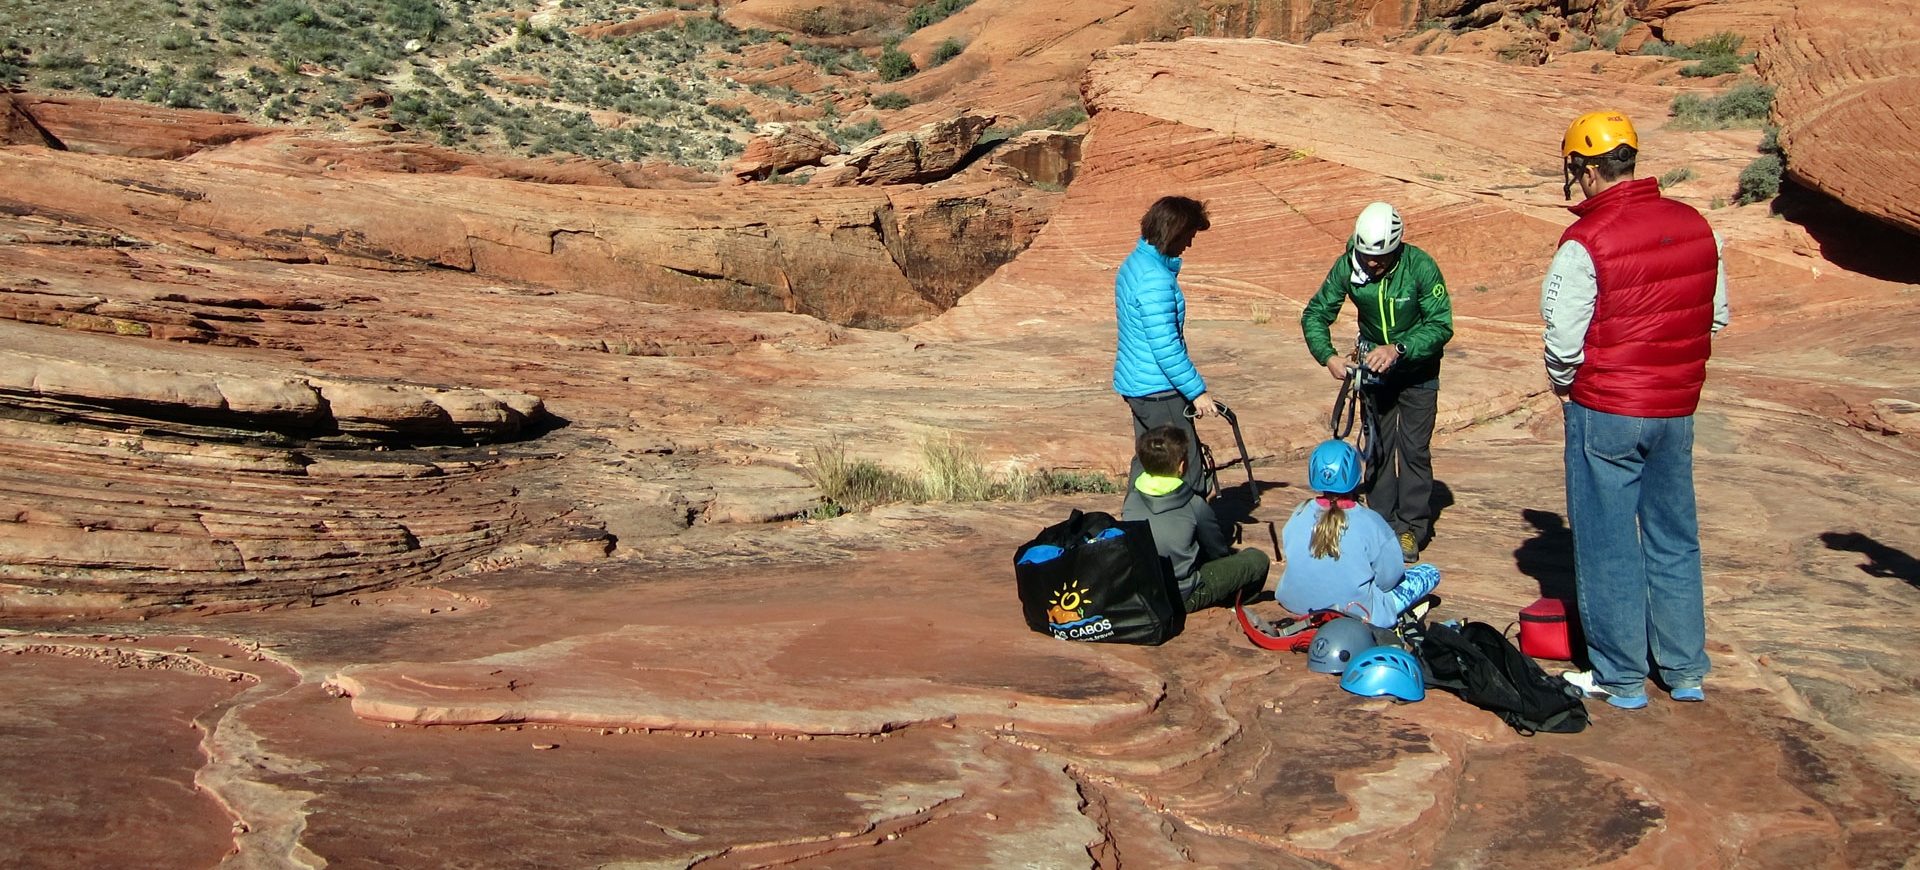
x=1385 y=670
x=1334 y=468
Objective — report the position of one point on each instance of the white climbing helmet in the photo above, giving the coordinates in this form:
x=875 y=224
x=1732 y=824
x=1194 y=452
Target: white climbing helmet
x=1377 y=232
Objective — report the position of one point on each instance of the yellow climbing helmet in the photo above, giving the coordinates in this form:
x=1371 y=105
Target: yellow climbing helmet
x=1597 y=133
x=1591 y=136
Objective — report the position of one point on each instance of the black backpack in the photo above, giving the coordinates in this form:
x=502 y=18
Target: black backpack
x=1478 y=663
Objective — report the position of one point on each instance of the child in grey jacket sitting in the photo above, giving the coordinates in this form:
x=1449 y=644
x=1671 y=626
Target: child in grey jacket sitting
x=1185 y=530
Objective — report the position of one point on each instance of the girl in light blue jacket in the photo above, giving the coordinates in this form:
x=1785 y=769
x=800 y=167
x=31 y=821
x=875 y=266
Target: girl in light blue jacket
x=1151 y=369
x=1342 y=556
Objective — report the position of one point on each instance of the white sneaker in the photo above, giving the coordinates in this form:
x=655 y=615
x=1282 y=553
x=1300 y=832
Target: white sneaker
x=1585 y=682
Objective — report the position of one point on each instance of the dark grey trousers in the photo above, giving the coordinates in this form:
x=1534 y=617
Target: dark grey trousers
x=1403 y=484
x=1170 y=409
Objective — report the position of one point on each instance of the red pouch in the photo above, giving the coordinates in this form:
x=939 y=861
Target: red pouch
x=1543 y=630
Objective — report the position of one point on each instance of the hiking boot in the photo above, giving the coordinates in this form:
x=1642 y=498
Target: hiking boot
x=1409 y=548
x=1688 y=693
x=1584 y=681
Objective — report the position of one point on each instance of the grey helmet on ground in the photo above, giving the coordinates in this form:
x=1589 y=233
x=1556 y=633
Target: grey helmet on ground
x=1336 y=643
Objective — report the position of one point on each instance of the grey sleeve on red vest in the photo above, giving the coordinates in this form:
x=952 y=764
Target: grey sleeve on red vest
x=1566 y=304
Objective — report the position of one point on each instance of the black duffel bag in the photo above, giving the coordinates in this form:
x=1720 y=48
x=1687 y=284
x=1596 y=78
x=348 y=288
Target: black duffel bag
x=1094 y=578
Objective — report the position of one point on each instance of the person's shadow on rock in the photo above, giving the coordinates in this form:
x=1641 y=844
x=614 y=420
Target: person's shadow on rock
x=1439 y=501
x=1547 y=557
x=1882 y=560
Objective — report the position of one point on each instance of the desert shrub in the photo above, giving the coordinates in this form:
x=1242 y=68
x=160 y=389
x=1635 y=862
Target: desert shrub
x=891 y=100
x=825 y=21
x=931 y=13
x=367 y=67
x=1610 y=38
x=895 y=64
x=1747 y=100
x=849 y=136
x=1718 y=54
x=950 y=470
x=1677 y=175
x=415 y=19
x=1071 y=482
x=947 y=50
x=1760 y=181
x=178 y=39
x=1746 y=103
x=858 y=484
x=1718 y=65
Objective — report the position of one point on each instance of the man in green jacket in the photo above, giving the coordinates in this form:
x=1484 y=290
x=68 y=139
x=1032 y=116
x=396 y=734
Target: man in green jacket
x=1405 y=322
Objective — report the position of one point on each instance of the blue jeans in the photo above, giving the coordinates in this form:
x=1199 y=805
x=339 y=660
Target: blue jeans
x=1636 y=548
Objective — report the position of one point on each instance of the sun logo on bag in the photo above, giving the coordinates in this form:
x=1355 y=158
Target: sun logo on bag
x=1068 y=604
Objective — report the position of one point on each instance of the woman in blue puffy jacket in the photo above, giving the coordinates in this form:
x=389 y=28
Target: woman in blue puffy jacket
x=1151 y=369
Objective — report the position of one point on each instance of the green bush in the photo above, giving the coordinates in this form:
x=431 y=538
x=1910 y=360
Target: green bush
x=1747 y=100
x=1760 y=181
x=895 y=65
x=891 y=100
x=850 y=136
x=1718 y=65
x=935 y=12
x=1610 y=38
x=1746 y=103
x=1718 y=54
x=947 y=50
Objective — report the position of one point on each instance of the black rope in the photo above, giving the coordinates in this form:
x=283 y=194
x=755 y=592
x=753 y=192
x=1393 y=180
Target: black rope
x=1354 y=407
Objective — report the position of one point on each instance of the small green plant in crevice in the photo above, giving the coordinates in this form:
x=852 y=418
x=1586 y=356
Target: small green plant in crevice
x=1677 y=175
x=890 y=100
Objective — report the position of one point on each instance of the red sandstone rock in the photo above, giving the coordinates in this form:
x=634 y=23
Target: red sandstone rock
x=782 y=148
x=132 y=129
x=926 y=154
x=638 y=24
x=1754 y=20
x=1041 y=156
x=766 y=250
x=1843 y=70
x=19 y=128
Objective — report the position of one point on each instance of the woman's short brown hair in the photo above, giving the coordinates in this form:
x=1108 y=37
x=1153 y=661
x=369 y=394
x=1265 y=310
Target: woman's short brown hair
x=1161 y=450
x=1169 y=218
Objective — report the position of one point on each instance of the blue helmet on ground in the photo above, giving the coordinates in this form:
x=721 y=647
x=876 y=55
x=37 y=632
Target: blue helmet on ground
x=1337 y=643
x=1334 y=467
x=1385 y=670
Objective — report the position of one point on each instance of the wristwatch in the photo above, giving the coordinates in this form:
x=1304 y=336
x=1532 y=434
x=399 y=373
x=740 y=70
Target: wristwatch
x=1400 y=347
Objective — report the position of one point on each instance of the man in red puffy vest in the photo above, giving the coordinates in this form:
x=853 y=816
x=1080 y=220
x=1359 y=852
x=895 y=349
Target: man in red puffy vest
x=1632 y=300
